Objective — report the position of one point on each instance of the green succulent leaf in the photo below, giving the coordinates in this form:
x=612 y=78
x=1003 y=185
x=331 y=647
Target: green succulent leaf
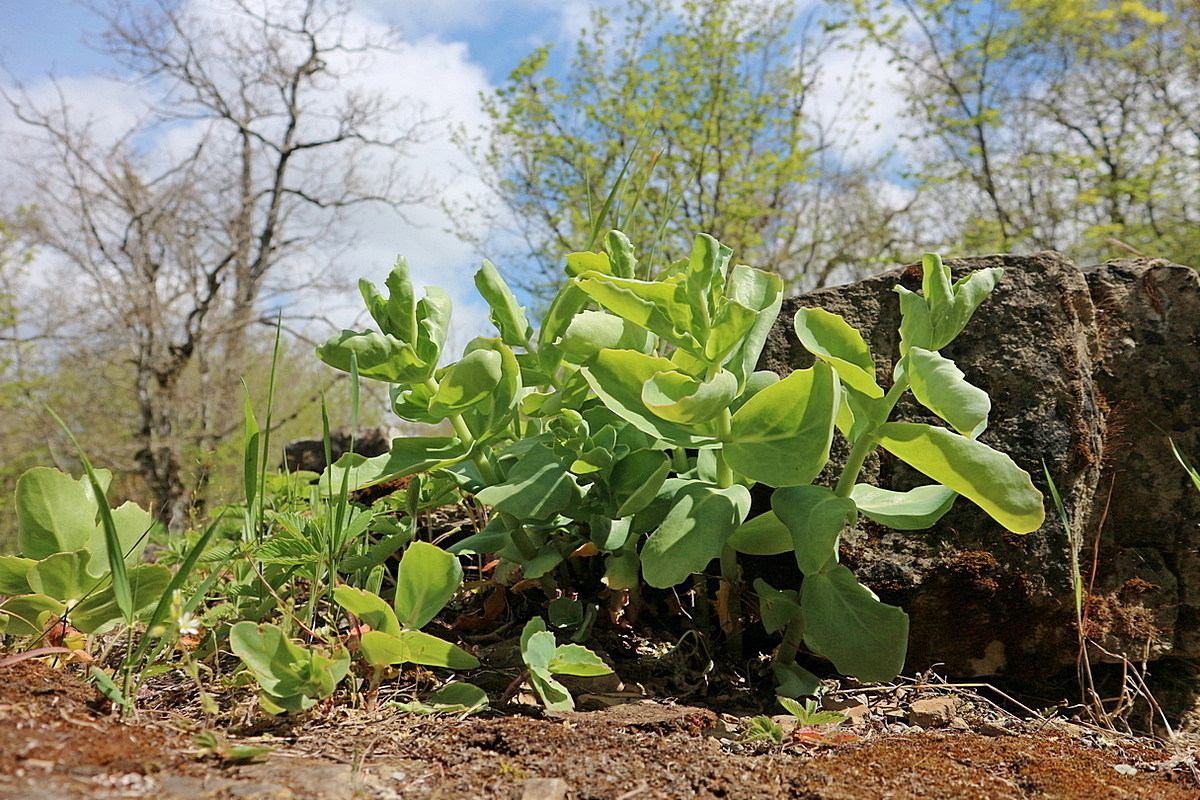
x=984 y=476
x=409 y=455
x=794 y=680
x=431 y=651
x=554 y=695
x=508 y=317
x=381 y=649
x=427 y=578
x=695 y=530
x=618 y=377
x=933 y=321
x=744 y=321
x=538 y=487
x=467 y=382
x=845 y=622
x=453 y=698
x=830 y=338
x=914 y=510
x=679 y=398
x=379 y=356
x=574 y=659
x=815 y=516
x=620 y=253
x=589 y=332
x=939 y=385
x=636 y=479
x=661 y=306
x=763 y=535
x=371 y=609
x=781 y=436
x=779 y=608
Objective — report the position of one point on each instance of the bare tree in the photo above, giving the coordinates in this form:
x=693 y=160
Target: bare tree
x=176 y=229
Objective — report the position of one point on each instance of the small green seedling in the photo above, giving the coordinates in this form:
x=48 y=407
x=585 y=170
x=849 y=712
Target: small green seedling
x=291 y=677
x=808 y=714
x=453 y=698
x=545 y=658
x=763 y=729
x=390 y=634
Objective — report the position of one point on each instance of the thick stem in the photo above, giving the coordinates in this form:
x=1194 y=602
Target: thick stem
x=861 y=447
x=724 y=472
x=793 y=634
x=463 y=432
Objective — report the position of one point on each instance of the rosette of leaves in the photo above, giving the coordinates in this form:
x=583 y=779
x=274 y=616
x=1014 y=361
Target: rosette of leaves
x=65 y=569
x=291 y=677
x=544 y=658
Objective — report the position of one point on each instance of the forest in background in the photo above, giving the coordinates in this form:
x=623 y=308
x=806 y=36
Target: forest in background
x=1026 y=125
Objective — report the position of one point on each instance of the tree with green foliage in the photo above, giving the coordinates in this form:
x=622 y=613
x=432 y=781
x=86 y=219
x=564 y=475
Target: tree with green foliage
x=702 y=118
x=1049 y=125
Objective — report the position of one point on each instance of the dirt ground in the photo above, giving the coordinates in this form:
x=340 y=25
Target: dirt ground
x=59 y=739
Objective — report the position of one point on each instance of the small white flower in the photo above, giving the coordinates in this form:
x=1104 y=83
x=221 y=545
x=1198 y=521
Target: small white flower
x=188 y=625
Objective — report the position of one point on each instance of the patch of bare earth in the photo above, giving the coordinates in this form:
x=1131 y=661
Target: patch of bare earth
x=58 y=740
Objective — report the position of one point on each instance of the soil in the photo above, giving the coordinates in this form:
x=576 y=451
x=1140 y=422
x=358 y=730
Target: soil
x=60 y=739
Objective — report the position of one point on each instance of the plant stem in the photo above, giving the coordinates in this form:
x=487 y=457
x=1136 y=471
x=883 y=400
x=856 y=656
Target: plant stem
x=463 y=432
x=724 y=472
x=792 y=635
x=865 y=443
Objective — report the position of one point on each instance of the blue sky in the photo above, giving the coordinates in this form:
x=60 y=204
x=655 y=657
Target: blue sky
x=38 y=37
x=454 y=50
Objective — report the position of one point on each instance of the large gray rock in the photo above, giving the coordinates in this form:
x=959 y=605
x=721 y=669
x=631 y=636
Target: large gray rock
x=1088 y=371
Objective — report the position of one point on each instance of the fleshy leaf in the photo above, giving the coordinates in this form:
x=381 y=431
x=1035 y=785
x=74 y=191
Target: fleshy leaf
x=592 y=331
x=661 y=307
x=914 y=510
x=682 y=399
x=636 y=479
x=815 y=516
x=939 y=385
x=538 y=487
x=574 y=659
x=781 y=436
x=409 y=454
x=618 y=377
x=778 y=608
x=693 y=533
x=984 y=476
x=370 y=608
x=846 y=623
x=508 y=317
x=830 y=338
x=427 y=578
x=430 y=651
x=764 y=535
